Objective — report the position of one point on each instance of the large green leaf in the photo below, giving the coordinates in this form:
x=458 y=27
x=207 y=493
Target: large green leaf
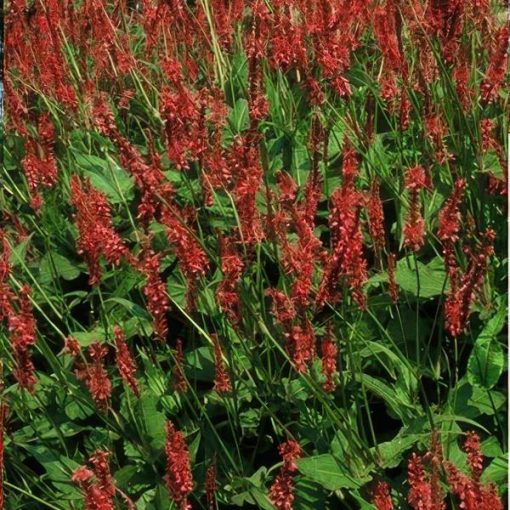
x=52 y=263
x=326 y=471
x=392 y=452
x=487 y=358
x=107 y=177
x=416 y=278
x=497 y=472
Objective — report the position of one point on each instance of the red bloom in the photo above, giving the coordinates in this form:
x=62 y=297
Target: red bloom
x=221 y=378
x=414 y=228
x=97 y=235
x=329 y=362
x=96 y=376
x=434 y=459
x=376 y=217
x=497 y=66
x=281 y=492
x=299 y=258
x=193 y=260
x=149 y=178
x=420 y=492
x=181 y=116
x=347 y=261
x=449 y=216
x=22 y=331
x=448 y=231
x=154 y=290
x=436 y=131
x=39 y=163
x=179 y=479
x=125 y=361
x=462 y=293
x=385 y=27
x=282 y=307
x=471 y=494
x=210 y=487
x=97 y=484
x=179 y=381
x=290 y=452
x=72 y=346
x=247 y=175
x=475 y=456
x=300 y=343
x=381 y=497
x=392 y=283
x=232 y=269
x=287 y=41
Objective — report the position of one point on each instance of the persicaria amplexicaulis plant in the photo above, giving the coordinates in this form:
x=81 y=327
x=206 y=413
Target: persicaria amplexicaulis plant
x=225 y=223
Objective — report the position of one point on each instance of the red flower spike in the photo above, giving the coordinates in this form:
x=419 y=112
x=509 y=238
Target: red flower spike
x=97 y=235
x=232 y=268
x=470 y=493
x=125 y=361
x=346 y=261
x=329 y=362
x=221 y=378
x=392 y=283
x=300 y=344
x=496 y=71
x=72 y=346
x=420 y=491
x=281 y=492
x=154 y=290
x=381 y=497
x=22 y=334
x=210 y=487
x=290 y=452
x=475 y=456
x=95 y=375
x=376 y=217
x=414 y=228
x=179 y=381
x=193 y=260
x=96 y=483
x=463 y=290
x=449 y=216
x=434 y=459
x=178 y=479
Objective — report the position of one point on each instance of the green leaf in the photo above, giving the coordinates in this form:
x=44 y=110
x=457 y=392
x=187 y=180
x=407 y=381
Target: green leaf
x=154 y=421
x=238 y=118
x=54 y=263
x=106 y=176
x=487 y=359
x=19 y=251
x=392 y=452
x=497 y=472
x=177 y=291
x=491 y=163
x=134 y=309
x=418 y=279
x=326 y=471
x=309 y=496
x=201 y=364
x=398 y=402
x=85 y=338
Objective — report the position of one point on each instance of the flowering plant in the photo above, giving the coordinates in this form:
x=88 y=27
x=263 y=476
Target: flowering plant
x=253 y=254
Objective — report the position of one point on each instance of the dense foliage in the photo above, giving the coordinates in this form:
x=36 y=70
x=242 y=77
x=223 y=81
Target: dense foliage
x=253 y=254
